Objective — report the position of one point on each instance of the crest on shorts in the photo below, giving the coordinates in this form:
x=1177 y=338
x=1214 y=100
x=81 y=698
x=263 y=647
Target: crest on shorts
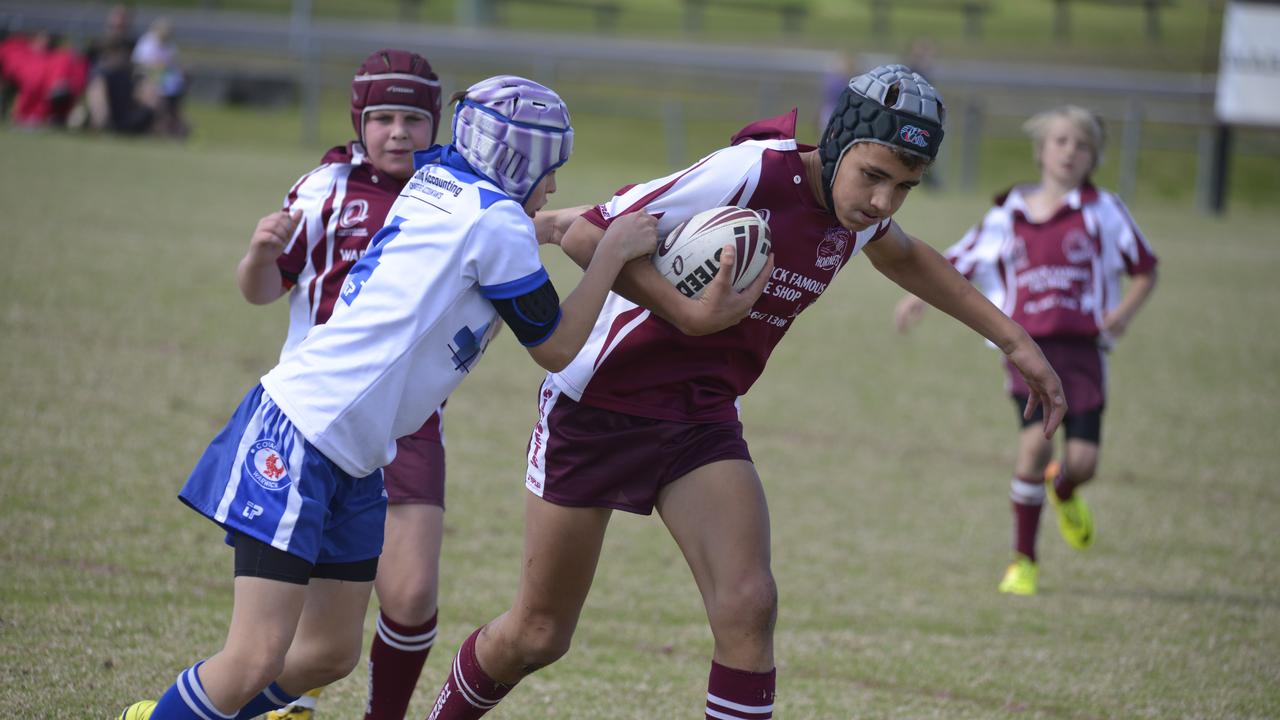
x=265 y=465
x=831 y=249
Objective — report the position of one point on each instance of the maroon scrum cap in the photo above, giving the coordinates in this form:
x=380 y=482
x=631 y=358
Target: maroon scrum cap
x=395 y=80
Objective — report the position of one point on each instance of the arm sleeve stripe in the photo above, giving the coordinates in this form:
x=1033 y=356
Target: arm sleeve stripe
x=515 y=288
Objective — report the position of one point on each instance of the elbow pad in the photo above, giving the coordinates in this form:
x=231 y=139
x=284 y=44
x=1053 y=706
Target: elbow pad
x=533 y=317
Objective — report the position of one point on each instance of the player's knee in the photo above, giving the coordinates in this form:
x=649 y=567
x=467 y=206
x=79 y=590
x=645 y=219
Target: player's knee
x=410 y=606
x=750 y=604
x=256 y=670
x=543 y=642
x=1081 y=472
x=331 y=665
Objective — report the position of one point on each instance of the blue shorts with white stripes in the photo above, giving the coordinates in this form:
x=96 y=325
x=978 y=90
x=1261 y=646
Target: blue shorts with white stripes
x=260 y=477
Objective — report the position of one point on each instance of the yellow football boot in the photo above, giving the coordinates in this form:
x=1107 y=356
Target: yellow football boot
x=138 y=711
x=1021 y=576
x=1075 y=520
x=304 y=708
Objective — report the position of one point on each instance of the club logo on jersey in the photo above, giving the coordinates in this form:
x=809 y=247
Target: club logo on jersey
x=1077 y=246
x=831 y=249
x=355 y=213
x=266 y=466
x=913 y=135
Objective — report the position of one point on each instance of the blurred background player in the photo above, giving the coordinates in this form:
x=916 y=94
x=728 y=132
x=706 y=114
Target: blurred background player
x=329 y=217
x=647 y=415
x=156 y=59
x=1051 y=256
x=295 y=475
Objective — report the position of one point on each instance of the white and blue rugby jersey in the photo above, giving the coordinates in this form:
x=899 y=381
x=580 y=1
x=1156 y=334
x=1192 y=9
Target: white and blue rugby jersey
x=413 y=317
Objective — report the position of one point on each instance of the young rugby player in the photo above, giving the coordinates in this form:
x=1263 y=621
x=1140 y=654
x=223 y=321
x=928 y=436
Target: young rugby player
x=646 y=416
x=1051 y=256
x=294 y=477
x=306 y=249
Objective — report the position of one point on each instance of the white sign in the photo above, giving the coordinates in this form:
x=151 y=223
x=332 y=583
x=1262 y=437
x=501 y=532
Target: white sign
x=1249 y=69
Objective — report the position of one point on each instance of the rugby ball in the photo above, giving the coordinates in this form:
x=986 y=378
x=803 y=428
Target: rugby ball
x=689 y=257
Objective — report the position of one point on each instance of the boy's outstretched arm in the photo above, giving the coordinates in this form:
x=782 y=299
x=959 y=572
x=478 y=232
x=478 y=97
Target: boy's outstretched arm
x=629 y=237
x=923 y=272
x=551 y=225
x=718 y=307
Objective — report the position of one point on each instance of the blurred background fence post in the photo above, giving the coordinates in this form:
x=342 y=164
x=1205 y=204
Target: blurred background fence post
x=309 y=70
x=1130 y=150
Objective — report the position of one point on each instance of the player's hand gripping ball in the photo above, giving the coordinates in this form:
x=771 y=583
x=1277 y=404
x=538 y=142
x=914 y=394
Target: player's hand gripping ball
x=689 y=257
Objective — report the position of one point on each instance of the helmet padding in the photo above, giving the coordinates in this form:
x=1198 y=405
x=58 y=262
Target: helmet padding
x=890 y=105
x=514 y=131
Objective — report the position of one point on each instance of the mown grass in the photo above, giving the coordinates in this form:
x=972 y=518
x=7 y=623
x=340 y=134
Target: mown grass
x=125 y=346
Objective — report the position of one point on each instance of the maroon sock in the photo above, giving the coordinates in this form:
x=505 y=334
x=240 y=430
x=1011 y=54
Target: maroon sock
x=395 y=662
x=469 y=692
x=1062 y=485
x=1027 y=498
x=738 y=694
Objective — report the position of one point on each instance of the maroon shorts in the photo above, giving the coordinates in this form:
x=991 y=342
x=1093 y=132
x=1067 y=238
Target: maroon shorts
x=1080 y=364
x=583 y=456
x=416 y=476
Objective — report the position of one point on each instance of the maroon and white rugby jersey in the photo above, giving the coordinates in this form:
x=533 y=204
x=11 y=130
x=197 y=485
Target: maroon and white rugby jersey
x=636 y=363
x=1060 y=277
x=344 y=203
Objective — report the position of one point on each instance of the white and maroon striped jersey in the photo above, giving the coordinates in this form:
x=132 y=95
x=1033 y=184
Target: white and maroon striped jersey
x=344 y=202
x=1060 y=277
x=636 y=363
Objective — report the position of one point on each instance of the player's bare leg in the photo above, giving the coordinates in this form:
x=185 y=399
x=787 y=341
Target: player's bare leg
x=409 y=569
x=1080 y=464
x=1034 y=452
x=263 y=620
x=561 y=551
x=327 y=645
x=720 y=519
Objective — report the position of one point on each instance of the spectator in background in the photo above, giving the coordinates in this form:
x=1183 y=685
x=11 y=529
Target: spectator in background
x=48 y=77
x=116 y=103
x=12 y=46
x=117 y=31
x=156 y=59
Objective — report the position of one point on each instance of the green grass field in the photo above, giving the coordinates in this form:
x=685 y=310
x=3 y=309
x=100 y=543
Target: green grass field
x=124 y=345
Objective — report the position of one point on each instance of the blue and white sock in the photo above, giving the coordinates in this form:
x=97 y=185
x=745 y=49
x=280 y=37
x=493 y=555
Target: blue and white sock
x=185 y=700
x=273 y=698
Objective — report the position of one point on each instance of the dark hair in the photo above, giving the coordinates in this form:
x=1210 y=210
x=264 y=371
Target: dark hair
x=458 y=97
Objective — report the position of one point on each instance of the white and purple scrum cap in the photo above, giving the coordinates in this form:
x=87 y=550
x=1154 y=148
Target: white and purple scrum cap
x=513 y=131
